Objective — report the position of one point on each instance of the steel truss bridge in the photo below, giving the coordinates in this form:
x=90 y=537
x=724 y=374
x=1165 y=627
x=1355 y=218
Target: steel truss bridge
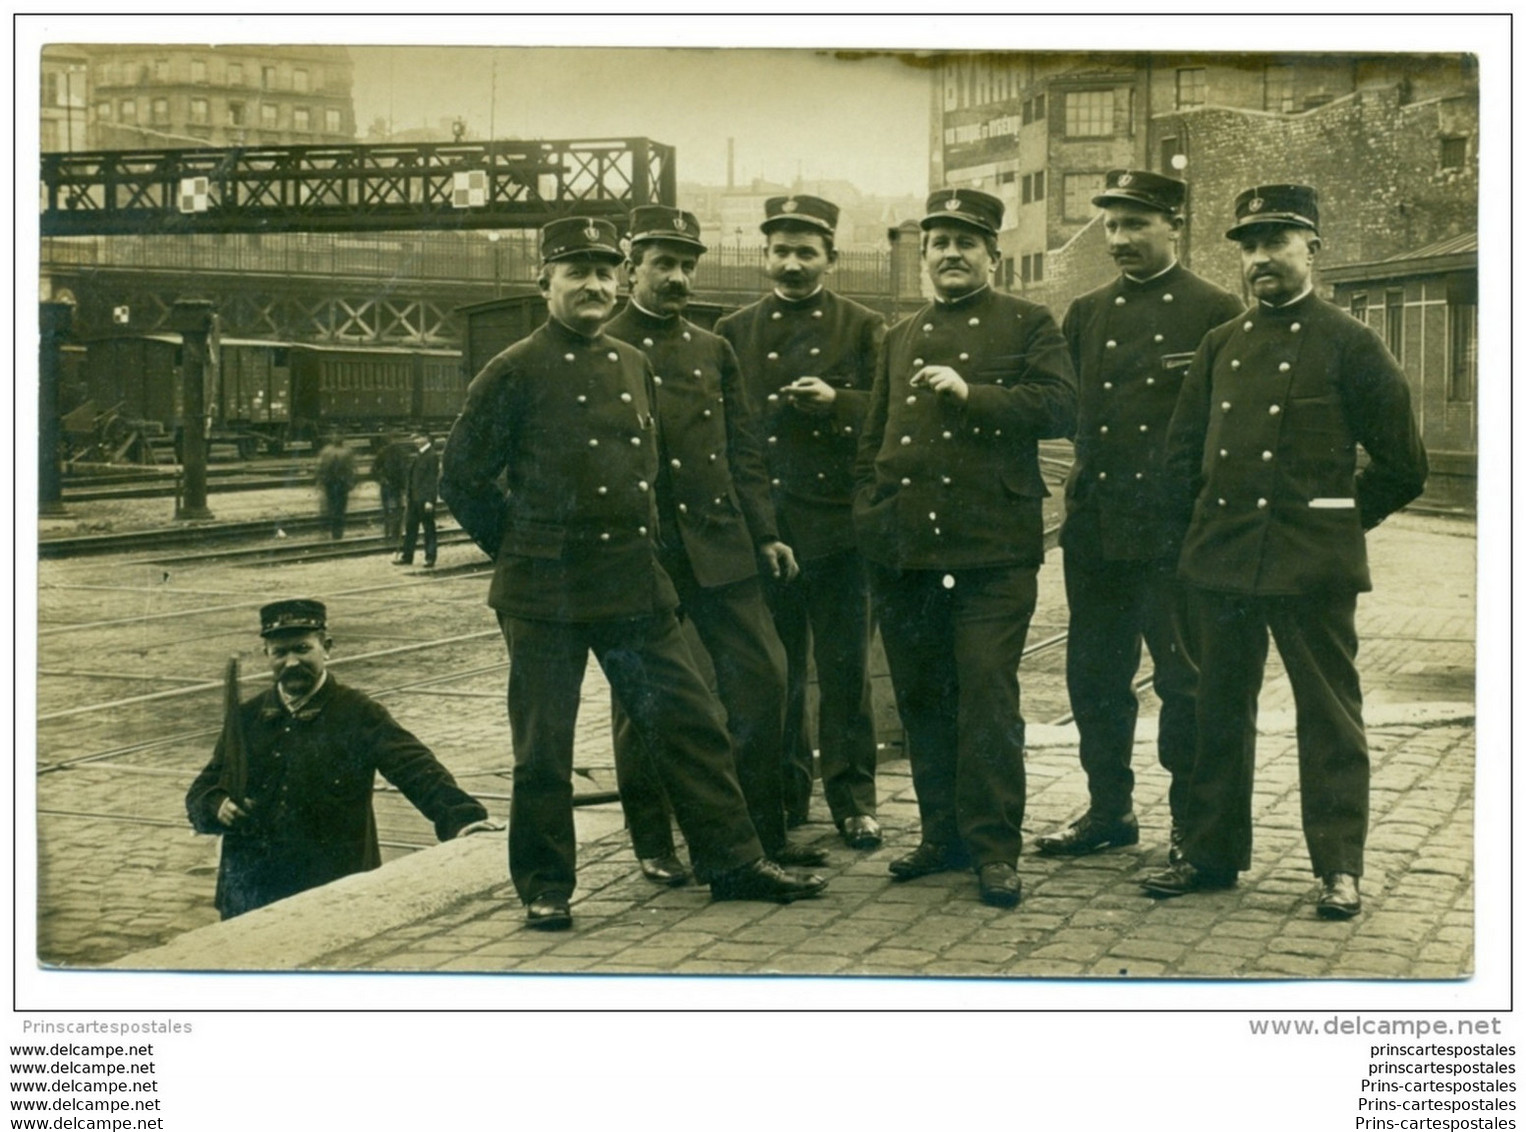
x=351 y=188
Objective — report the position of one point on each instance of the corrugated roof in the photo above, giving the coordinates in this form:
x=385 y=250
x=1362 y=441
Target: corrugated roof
x=1456 y=245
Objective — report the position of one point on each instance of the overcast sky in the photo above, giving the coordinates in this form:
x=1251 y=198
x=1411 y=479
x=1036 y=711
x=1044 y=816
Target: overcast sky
x=862 y=120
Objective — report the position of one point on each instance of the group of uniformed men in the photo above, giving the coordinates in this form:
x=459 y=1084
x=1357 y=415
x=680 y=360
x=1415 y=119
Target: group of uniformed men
x=749 y=500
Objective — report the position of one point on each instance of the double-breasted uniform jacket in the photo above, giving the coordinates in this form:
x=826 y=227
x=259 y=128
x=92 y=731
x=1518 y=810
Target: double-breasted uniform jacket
x=1131 y=343
x=713 y=496
x=310 y=776
x=1263 y=443
x=809 y=457
x=570 y=421
x=944 y=485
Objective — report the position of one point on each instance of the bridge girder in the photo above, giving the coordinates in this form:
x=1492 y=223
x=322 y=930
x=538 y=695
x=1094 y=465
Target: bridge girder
x=354 y=188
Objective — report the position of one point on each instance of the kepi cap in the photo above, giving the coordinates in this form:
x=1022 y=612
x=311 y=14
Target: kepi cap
x=659 y=222
x=295 y=615
x=970 y=207
x=580 y=236
x=1139 y=186
x=1293 y=206
x=813 y=212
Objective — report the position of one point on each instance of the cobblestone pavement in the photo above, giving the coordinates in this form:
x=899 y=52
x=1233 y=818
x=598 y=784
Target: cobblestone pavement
x=120 y=873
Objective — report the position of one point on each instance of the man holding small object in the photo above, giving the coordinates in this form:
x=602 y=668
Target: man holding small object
x=309 y=749
x=949 y=513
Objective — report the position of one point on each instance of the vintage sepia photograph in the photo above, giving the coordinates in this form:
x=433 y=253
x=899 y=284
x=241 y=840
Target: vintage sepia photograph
x=979 y=513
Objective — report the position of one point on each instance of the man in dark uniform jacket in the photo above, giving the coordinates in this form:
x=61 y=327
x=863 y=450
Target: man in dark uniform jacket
x=1130 y=342
x=1264 y=441
x=949 y=513
x=311 y=748
x=423 y=493
x=809 y=357
x=390 y=470
x=717 y=521
x=335 y=477
x=567 y=415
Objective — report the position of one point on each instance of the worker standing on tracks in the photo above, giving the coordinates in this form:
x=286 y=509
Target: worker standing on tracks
x=808 y=358
x=1130 y=342
x=717 y=523
x=568 y=415
x=312 y=748
x=390 y=469
x=335 y=476
x=949 y=513
x=423 y=494
x=1263 y=444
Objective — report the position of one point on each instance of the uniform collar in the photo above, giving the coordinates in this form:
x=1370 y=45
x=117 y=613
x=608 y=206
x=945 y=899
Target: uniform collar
x=1159 y=277
x=652 y=320
x=304 y=708
x=1268 y=308
x=964 y=300
x=800 y=304
x=564 y=333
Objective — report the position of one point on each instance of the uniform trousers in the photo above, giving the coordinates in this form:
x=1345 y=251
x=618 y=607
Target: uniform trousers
x=738 y=635
x=416 y=516
x=954 y=639
x=336 y=501
x=1316 y=637
x=651 y=671
x=1114 y=605
x=825 y=612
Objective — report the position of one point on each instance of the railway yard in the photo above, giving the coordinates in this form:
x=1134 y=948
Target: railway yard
x=134 y=626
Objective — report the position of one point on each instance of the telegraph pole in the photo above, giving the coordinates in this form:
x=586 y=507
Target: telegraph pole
x=193 y=319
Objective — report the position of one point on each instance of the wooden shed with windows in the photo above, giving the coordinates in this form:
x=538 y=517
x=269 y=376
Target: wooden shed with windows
x=1424 y=304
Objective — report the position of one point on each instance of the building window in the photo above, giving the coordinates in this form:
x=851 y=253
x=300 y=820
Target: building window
x=1089 y=114
x=1278 y=96
x=299 y=81
x=1006 y=177
x=236 y=114
x=1454 y=152
x=1191 y=87
x=1462 y=351
x=1033 y=109
x=950 y=86
x=268 y=115
x=1359 y=307
x=103 y=111
x=52 y=93
x=1079 y=189
x=268 y=78
x=159 y=112
x=161 y=70
x=301 y=119
x=201 y=113
x=1393 y=323
x=1038 y=267
x=198 y=70
x=129 y=110
x=235 y=74
x=332 y=121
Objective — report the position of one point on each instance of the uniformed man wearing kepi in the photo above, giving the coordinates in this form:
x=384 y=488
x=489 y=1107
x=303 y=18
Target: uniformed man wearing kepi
x=717 y=523
x=1264 y=440
x=949 y=513
x=567 y=415
x=809 y=357
x=1130 y=342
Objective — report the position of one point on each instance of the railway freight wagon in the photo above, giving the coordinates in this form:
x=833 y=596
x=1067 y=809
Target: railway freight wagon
x=264 y=394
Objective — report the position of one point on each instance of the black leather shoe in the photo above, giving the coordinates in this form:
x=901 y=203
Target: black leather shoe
x=862 y=832
x=929 y=858
x=1339 y=897
x=765 y=880
x=548 y=914
x=799 y=856
x=1088 y=833
x=1174 y=854
x=1000 y=886
x=666 y=869
x=1184 y=877
x=399 y=560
